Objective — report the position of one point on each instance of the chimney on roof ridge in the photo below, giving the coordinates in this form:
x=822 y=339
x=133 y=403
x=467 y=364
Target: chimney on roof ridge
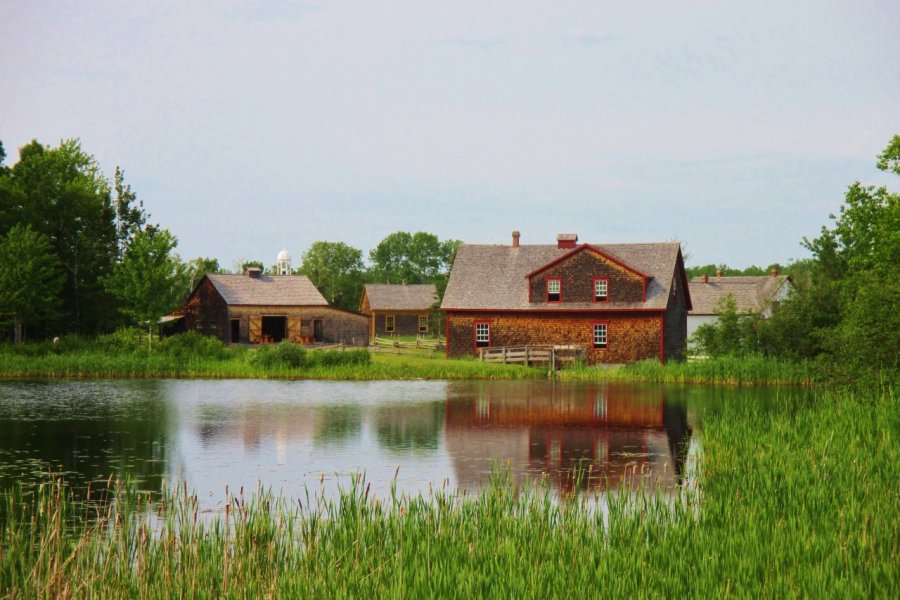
x=718 y=273
x=254 y=272
x=774 y=272
x=705 y=278
x=516 y=235
x=566 y=240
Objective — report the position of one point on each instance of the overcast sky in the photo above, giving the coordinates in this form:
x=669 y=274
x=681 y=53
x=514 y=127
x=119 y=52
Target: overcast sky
x=246 y=126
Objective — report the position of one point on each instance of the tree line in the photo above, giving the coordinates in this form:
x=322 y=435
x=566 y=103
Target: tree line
x=844 y=308
x=79 y=254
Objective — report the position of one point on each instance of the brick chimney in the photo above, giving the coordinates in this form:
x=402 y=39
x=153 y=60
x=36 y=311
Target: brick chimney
x=567 y=240
x=718 y=273
x=254 y=272
x=705 y=278
x=774 y=272
x=516 y=235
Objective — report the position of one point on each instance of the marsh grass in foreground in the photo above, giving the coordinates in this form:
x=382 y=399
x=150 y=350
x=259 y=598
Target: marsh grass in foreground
x=799 y=499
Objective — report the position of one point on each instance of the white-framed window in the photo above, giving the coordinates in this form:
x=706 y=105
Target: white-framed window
x=601 y=289
x=482 y=335
x=423 y=323
x=600 y=335
x=554 y=289
x=389 y=323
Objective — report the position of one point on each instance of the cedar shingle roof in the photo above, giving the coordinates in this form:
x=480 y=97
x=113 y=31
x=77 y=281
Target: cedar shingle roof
x=401 y=297
x=751 y=293
x=493 y=277
x=268 y=290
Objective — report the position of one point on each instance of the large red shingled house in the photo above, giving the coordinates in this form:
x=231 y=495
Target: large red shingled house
x=621 y=302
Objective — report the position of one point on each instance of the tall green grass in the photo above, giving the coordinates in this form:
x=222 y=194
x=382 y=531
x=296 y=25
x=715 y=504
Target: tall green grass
x=730 y=370
x=799 y=500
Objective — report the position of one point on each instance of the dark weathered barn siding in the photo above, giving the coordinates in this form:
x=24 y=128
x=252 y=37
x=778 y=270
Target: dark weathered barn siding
x=206 y=311
x=577 y=274
x=631 y=336
x=675 y=322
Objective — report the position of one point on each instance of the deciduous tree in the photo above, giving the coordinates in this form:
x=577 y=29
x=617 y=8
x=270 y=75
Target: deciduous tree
x=30 y=279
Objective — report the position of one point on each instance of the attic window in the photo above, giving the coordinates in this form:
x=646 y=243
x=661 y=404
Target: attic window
x=554 y=289
x=601 y=289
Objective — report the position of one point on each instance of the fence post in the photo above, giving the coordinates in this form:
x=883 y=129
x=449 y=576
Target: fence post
x=527 y=356
x=504 y=355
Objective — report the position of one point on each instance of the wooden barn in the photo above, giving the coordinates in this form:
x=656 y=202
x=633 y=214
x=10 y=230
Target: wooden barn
x=256 y=308
x=398 y=309
x=619 y=302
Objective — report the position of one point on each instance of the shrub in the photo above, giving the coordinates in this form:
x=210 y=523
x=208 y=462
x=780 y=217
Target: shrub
x=334 y=358
x=285 y=354
x=192 y=345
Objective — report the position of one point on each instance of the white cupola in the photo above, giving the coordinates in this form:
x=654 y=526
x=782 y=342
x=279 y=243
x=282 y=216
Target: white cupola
x=283 y=263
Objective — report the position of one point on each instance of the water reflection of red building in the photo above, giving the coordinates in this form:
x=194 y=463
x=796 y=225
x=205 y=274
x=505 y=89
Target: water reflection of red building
x=594 y=437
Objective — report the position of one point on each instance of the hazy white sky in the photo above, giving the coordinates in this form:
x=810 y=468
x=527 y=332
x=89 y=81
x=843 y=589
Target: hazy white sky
x=246 y=126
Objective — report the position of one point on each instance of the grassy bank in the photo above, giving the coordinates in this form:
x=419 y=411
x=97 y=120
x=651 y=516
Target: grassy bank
x=729 y=370
x=243 y=363
x=797 y=500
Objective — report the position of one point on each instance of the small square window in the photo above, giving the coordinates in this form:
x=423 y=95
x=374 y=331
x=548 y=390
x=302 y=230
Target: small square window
x=600 y=335
x=554 y=289
x=389 y=324
x=601 y=289
x=482 y=335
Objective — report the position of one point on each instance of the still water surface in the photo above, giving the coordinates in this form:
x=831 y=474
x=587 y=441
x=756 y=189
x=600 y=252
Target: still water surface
x=308 y=436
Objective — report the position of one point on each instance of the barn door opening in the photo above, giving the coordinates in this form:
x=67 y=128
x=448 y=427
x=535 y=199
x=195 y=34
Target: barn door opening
x=235 y=331
x=274 y=329
x=318 y=330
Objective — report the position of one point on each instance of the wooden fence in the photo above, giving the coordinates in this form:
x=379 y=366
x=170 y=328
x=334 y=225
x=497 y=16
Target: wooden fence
x=394 y=345
x=555 y=356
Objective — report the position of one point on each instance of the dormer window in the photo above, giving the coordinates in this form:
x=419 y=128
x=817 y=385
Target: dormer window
x=554 y=289
x=601 y=289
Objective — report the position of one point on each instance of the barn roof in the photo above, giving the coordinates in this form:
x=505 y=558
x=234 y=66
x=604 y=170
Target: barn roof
x=267 y=290
x=750 y=293
x=383 y=296
x=494 y=277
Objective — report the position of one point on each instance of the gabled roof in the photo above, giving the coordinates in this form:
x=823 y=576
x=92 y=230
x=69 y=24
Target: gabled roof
x=267 y=290
x=607 y=255
x=384 y=296
x=492 y=277
x=751 y=293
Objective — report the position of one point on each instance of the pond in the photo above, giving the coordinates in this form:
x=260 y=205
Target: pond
x=310 y=437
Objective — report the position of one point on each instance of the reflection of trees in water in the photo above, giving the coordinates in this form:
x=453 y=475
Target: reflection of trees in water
x=84 y=432
x=338 y=422
x=410 y=428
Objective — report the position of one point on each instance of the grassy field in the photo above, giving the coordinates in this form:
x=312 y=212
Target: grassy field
x=798 y=500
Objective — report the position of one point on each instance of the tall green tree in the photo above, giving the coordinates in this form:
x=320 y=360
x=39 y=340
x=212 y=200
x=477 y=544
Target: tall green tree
x=30 y=279
x=130 y=214
x=336 y=269
x=150 y=279
x=196 y=268
x=413 y=257
x=62 y=194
